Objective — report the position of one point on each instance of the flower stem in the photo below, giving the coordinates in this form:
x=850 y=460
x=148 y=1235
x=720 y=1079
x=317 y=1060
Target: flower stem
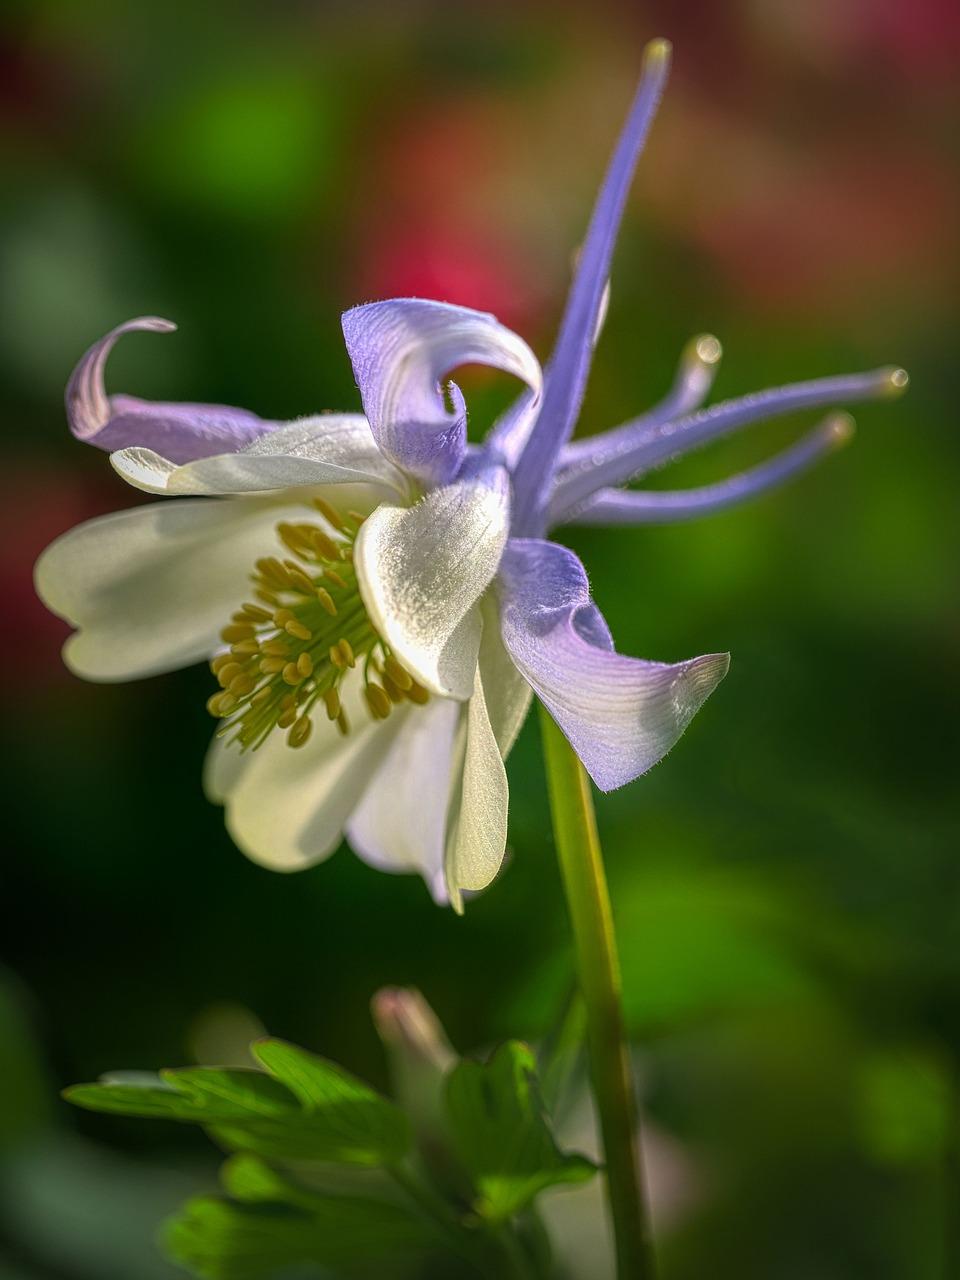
x=588 y=902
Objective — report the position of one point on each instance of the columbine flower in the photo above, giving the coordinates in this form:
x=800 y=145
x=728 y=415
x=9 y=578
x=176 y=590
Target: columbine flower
x=377 y=598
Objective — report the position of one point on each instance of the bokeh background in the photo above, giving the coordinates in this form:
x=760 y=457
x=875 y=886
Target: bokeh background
x=786 y=884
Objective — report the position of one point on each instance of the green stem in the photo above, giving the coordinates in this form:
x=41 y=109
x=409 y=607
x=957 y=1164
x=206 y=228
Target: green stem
x=588 y=902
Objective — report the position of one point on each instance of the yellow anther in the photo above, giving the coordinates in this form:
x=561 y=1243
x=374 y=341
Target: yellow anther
x=329 y=513
x=401 y=678
x=324 y=545
x=394 y=692
x=416 y=693
x=378 y=702
x=236 y=631
x=255 y=614
x=229 y=671
x=271 y=569
x=326 y=601
x=346 y=652
x=291 y=649
x=298 y=579
x=293 y=537
x=300 y=732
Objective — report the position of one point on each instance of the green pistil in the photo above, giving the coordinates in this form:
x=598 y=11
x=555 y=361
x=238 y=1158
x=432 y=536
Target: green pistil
x=294 y=647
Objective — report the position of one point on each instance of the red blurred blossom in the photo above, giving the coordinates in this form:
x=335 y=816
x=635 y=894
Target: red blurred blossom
x=452 y=264
x=918 y=40
x=436 y=220
x=830 y=229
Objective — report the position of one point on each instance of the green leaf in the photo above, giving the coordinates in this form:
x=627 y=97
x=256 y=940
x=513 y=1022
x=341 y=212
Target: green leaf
x=153 y=1100
x=220 y=1240
x=248 y=1178
x=306 y=1109
x=358 y=1124
x=500 y=1131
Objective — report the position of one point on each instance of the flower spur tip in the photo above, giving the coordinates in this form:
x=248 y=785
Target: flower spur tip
x=705 y=349
x=155 y=323
x=657 y=54
x=896 y=382
x=838 y=429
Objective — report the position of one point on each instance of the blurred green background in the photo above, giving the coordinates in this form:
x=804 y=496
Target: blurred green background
x=786 y=884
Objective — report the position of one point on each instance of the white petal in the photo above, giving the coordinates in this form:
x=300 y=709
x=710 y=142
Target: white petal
x=286 y=810
x=150 y=588
x=223 y=768
x=421 y=571
x=477 y=838
x=507 y=694
x=401 y=822
x=335 y=448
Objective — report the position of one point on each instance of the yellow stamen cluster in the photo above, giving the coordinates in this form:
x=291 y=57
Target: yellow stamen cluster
x=308 y=628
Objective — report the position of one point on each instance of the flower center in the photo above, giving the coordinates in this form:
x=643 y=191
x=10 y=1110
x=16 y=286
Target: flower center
x=293 y=649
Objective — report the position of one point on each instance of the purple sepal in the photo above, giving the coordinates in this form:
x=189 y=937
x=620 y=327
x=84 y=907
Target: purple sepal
x=621 y=715
x=402 y=352
x=180 y=432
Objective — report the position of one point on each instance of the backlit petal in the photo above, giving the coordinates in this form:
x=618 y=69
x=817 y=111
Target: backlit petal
x=506 y=693
x=477 y=836
x=422 y=570
x=334 y=448
x=400 y=825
